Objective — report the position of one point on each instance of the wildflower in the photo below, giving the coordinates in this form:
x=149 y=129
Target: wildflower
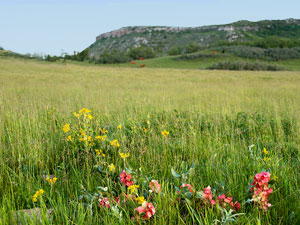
x=104 y=202
x=101 y=138
x=66 y=128
x=104 y=131
x=132 y=188
x=125 y=179
x=265 y=151
x=37 y=194
x=165 y=133
x=276 y=178
x=187 y=185
x=111 y=167
x=207 y=195
x=140 y=200
x=228 y=201
x=145 y=130
x=89 y=116
x=115 y=143
x=69 y=138
x=84 y=110
x=51 y=181
x=124 y=155
x=147 y=209
x=98 y=151
x=260 y=190
x=266 y=159
x=76 y=115
x=105 y=189
x=119 y=126
x=89 y=138
x=155 y=186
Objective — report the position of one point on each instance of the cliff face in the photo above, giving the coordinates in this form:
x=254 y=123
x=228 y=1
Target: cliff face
x=162 y=38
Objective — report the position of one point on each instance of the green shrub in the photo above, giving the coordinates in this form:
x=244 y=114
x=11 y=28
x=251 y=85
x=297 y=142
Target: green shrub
x=196 y=56
x=192 y=47
x=175 y=51
x=244 y=66
x=112 y=57
x=145 y=52
x=273 y=54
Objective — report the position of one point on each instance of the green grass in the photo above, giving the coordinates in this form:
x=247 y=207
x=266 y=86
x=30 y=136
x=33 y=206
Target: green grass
x=213 y=117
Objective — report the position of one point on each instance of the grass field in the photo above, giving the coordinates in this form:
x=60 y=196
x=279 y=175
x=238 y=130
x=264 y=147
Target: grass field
x=219 y=120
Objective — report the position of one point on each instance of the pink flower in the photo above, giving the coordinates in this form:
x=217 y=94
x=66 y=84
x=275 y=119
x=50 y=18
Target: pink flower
x=147 y=209
x=125 y=179
x=261 y=191
x=104 y=202
x=187 y=185
x=224 y=201
x=155 y=186
x=207 y=195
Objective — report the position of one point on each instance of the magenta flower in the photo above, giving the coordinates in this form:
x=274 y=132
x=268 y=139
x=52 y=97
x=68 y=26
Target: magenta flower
x=125 y=179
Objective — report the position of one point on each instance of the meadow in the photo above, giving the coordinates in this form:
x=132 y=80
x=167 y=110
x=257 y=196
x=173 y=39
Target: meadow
x=187 y=137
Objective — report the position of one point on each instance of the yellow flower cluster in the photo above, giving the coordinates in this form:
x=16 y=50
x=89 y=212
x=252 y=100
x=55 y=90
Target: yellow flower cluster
x=66 y=128
x=140 y=200
x=104 y=131
x=115 y=143
x=85 y=112
x=37 y=194
x=101 y=138
x=133 y=188
x=99 y=152
x=69 y=138
x=111 y=167
x=119 y=126
x=51 y=181
x=165 y=133
x=124 y=155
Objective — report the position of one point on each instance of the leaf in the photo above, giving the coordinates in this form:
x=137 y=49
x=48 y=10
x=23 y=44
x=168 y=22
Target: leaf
x=176 y=175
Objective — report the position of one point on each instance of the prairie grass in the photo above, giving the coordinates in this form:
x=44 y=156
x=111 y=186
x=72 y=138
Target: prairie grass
x=212 y=116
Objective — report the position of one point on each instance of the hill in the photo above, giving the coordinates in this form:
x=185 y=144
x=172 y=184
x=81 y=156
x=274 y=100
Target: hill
x=163 y=38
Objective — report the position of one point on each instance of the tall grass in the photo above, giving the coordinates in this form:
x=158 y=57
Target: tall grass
x=213 y=117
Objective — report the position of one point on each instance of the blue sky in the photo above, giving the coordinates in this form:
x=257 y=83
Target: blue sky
x=50 y=26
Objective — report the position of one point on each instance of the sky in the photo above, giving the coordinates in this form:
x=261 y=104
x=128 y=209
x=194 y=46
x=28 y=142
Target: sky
x=56 y=26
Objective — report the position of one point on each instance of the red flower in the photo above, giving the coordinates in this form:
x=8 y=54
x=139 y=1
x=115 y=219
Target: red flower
x=147 y=209
x=155 y=186
x=125 y=179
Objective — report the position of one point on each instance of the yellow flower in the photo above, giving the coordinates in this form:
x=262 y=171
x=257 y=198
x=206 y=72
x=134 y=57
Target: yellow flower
x=124 y=155
x=111 y=167
x=51 y=181
x=276 y=178
x=140 y=200
x=266 y=159
x=101 y=138
x=132 y=188
x=69 y=138
x=98 y=151
x=115 y=143
x=120 y=126
x=66 y=128
x=84 y=110
x=104 y=131
x=145 y=130
x=89 y=138
x=37 y=194
x=265 y=151
x=165 y=133
x=89 y=116
x=76 y=115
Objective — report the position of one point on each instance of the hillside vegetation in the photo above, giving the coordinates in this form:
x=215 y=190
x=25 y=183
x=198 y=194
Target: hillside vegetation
x=268 y=33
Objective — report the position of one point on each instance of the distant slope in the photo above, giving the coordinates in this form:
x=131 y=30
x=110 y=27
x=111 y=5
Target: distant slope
x=162 y=38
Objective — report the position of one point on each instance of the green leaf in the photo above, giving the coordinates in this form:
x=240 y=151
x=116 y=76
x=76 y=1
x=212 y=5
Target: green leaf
x=176 y=175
